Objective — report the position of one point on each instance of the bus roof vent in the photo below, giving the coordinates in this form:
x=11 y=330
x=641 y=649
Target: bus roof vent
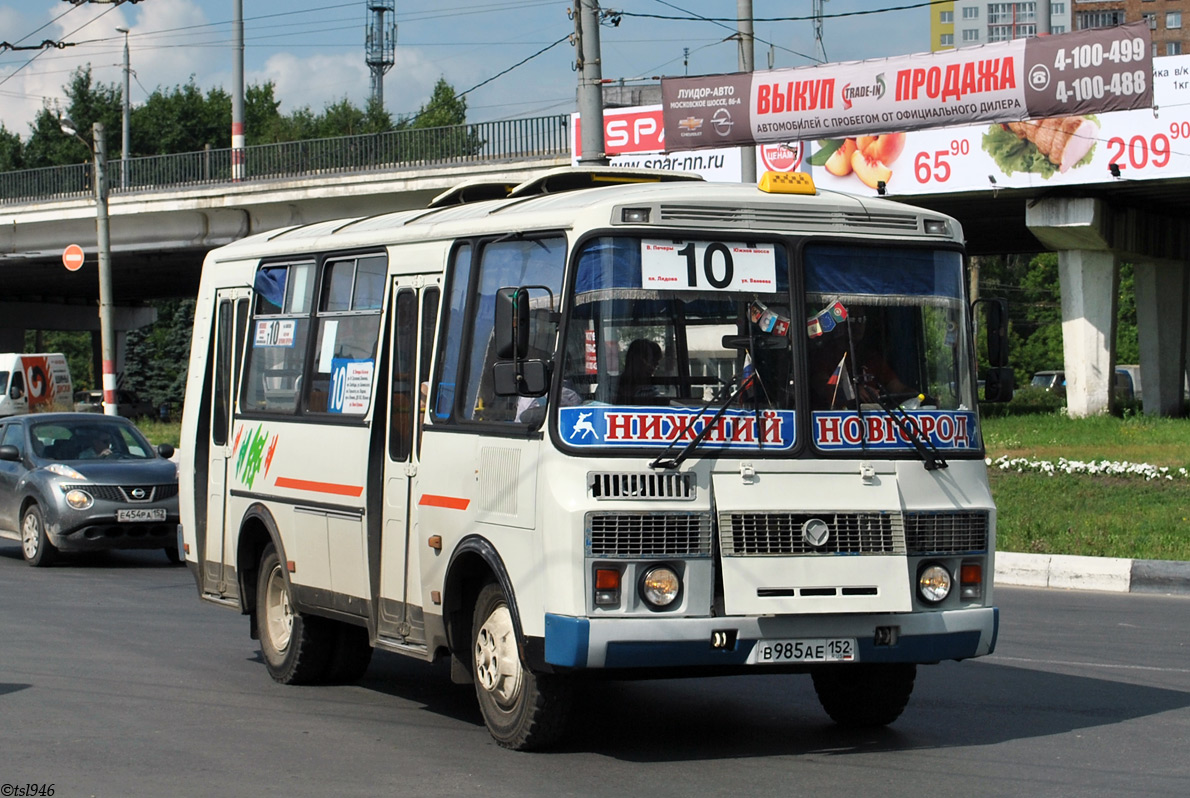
x=612 y=485
x=568 y=178
x=474 y=191
x=789 y=218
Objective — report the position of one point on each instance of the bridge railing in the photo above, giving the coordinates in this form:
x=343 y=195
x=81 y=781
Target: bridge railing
x=390 y=151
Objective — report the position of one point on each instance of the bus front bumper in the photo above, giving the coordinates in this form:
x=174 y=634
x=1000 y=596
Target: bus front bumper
x=636 y=643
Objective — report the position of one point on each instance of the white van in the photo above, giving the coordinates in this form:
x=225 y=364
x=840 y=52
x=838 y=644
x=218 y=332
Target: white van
x=34 y=383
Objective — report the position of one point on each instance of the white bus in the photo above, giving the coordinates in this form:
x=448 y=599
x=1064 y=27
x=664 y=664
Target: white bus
x=599 y=424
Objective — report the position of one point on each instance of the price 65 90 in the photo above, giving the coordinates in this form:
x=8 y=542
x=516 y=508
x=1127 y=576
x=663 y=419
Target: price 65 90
x=935 y=165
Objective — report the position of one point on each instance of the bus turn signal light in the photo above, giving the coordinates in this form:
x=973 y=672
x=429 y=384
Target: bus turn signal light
x=971 y=580
x=607 y=587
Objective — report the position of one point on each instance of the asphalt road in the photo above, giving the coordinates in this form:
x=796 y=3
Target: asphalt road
x=115 y=680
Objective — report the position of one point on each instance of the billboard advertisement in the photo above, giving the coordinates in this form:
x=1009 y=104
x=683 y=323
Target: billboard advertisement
x=1079 y=73
x=1152 y=143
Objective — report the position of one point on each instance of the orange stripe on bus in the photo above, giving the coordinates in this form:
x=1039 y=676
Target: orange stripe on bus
x=449 y=502
x=319 y=487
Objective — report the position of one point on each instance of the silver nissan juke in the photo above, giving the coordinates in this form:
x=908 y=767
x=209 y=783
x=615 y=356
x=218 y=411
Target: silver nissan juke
x=82 y=482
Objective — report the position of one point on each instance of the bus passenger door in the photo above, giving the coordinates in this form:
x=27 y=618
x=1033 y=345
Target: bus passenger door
x=414 y=314
x=227 y=347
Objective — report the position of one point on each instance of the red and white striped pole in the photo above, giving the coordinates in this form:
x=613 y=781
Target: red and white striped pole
x=103 y=233
x=237 y=94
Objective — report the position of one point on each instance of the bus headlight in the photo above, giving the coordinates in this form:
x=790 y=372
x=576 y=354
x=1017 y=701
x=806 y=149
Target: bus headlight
x=933 y=583
x=79 y=499
x=660 y=586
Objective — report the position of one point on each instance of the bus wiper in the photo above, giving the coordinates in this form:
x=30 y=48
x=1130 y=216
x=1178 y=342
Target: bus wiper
x=674 y=462
x=928 y=453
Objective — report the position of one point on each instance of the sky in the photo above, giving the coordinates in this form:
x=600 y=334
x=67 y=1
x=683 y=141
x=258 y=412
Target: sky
x=313 y=50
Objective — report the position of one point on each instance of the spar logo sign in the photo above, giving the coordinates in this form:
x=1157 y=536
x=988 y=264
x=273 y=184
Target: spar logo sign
x=781 y=157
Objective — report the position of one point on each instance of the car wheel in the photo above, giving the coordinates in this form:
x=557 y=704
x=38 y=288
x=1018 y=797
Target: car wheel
x=35 y=544
x=864 y=695
x=523 y=710
x=296 y=648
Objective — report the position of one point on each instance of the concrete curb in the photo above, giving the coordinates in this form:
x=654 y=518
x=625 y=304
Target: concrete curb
x=1092 y=573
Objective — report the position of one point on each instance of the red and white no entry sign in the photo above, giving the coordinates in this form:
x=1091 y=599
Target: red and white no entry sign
x=72 y=257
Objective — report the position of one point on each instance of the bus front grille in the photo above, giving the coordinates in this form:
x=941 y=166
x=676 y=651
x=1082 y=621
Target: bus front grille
x=946 y=533
x=607 y=485
x=648 y=535
x=782 y=533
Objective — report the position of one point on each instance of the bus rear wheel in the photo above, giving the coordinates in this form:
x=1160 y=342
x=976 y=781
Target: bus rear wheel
x=296 y=648
x=522 y=709
x=864 y=695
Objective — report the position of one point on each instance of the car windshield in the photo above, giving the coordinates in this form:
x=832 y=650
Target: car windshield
x=89 y=440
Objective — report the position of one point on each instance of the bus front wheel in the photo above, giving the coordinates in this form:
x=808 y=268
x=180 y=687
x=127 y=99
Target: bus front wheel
x=864 y=695
x=296 y=648
x=522 y=709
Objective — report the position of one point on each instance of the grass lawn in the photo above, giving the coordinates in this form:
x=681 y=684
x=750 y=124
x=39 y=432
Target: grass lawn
x=1110 y=516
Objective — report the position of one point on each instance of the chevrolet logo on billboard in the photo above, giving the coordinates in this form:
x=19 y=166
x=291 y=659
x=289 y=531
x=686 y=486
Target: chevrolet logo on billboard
x=690 y=123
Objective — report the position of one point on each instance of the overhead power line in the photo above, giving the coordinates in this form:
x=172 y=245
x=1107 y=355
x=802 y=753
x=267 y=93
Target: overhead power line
x=699 y=18
x=45 y=45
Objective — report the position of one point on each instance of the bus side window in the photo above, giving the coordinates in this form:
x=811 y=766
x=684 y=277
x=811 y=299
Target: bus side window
x=506 y=263
x=347 y=330
x=276 y=349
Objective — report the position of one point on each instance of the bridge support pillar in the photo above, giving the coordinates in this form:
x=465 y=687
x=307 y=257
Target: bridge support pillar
x=1080 y=230
x=1090 y=284
x=1163 y=323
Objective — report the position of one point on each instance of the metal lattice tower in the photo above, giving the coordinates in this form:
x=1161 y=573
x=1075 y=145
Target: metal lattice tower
x=381 y=43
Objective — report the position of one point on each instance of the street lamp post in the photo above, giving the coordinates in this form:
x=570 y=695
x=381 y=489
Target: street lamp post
x=125 y=144
x=103 y=234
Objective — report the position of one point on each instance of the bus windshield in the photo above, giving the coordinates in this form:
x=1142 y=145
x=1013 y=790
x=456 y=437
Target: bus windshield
x=669 y=336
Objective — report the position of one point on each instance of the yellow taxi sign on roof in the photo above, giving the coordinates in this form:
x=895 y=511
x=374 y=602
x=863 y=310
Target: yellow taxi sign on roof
x=787 y=183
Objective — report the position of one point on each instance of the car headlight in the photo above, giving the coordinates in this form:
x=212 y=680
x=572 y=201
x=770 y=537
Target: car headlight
x=79 y=499
x=660 y=586
x=64 y=470
x=934 y=583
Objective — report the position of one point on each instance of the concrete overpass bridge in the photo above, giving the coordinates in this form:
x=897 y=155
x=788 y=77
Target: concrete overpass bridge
x=168 y=211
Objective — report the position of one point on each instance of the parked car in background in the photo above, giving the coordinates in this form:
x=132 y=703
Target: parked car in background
x=128 y=404
x=78 y=482
x=1126 y=385
x=1054 y=381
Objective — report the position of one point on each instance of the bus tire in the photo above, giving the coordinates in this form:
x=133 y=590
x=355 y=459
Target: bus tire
x=523 y=710
x=35 y=543
x=864 y=695
x=351 y=655
x=296 y=648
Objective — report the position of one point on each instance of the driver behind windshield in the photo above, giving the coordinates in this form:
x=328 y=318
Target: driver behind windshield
x=851 y=355
x=96 y=444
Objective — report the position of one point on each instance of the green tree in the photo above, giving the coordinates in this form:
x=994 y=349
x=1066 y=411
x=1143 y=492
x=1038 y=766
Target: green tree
x=89 y=103
x=76 y=346
x=12 y=155
x=181 y=119
x=157 y=355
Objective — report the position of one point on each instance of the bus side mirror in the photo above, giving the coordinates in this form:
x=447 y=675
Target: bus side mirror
x=521 y=378
x=997 y=329
x=999 y=385
x=512 y=323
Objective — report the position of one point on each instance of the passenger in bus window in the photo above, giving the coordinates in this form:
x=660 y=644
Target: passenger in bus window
x=637 y=383
x=848 y=359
